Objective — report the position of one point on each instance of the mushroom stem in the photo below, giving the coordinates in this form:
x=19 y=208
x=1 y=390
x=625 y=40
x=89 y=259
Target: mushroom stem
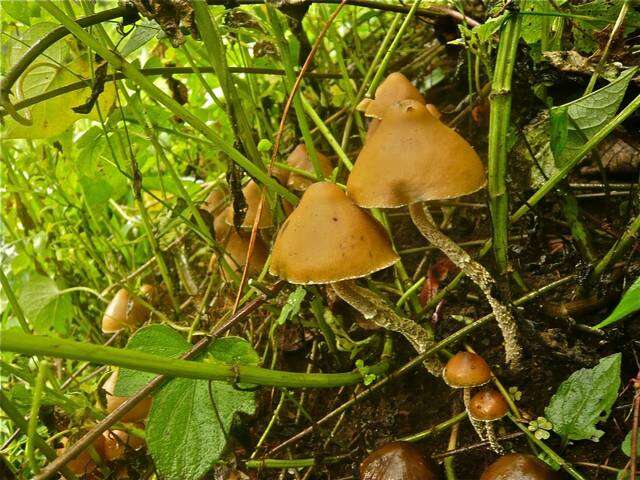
x=477 y=426
x=492 y=439
x=374 y=309
x=477 y=273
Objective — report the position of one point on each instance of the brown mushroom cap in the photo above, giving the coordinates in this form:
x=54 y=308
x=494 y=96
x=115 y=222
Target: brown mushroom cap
x=488 y=405
x=139 y=412
x=82 y=464
x=300 y=158
x=466 y=370
x=328 y=238
x=397 y=461
x=413 y=157
x=252 y=192
x=215 y=200
x=125 y=311
x=518 y=466
x=394 y=88
x=115 y=443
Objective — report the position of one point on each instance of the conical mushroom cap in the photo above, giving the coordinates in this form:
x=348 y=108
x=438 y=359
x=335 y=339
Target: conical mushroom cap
x=214 y=201
x=413 y=157
x=328 y=238
x=518 y=466
x=397 y=461
x=138 y=413
x=300 y=158
x=488 y=405
x=394 y=88
x=124 y=311
x=236 y=247
x=252 y=192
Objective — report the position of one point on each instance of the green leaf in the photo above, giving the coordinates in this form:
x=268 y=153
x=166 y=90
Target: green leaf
x=190 y=420
x=44 y=305
x=604 y=14
x=584 y=400
x=585 y=116
x=629 y=303
x=21 y=10
x=292 y=307
x=157 y=339
x=626 y=445
x=143 y=32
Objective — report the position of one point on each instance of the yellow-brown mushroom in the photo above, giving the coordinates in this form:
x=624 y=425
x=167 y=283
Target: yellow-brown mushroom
x=252 y=193
x=413 y=158
x=487 y=406
x=137 y=414
x=397 y=461
x=300 y=159
x=394 y=88
x=518 y=466
x=124 y=311
x=330 y=240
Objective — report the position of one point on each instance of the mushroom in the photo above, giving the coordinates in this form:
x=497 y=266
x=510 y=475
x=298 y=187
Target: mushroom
x=300 y=159
x=487 y=406
x=413 y=158
x=252 y=192
x=467 y=370
x=137 y=414
x=236 y=245
x=394 y=88
x=397 y=461
x=330 y=240
x=115 y=443
x=83 y=464
x=215 y=200
x=518 y=466
x=126 y=312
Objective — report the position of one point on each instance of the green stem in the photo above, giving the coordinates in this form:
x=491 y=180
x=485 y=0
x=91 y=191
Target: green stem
x=500 y=104
x=132 y=73
x=60 y=348
x=34 y=415
x=16 y=417
x=617 y=249
x=294 y=462
x=17 y=310
x=546 y=449
x=415 y=437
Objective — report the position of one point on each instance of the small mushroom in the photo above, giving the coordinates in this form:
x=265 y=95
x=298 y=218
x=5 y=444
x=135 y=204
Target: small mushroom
x=518 y=466
x=116 y=442
x=467 y=370
x=126 y=312
x=328 y=239
x=215 y=200
x=300 y=159
x=487 y=406
x=236 y=245
x=137 y=414
x=83 y=464
x=397 y=461
x=394 y=88
x=411 y=158
x=252 y=193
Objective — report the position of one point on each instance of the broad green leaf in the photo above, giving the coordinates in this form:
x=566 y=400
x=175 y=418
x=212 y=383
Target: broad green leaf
x=190 y=420
x=44 y=305
x=603 y=14
x=629 y=303
x=292 y=306
x=584 y=400
x=585 y=116
x=52 y=70
x=156 y=339
x=142 y=33
x=21 y=10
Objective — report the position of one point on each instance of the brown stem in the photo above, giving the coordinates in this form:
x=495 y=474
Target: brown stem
x=374 y=309
x=477 y=273
x=492 y=439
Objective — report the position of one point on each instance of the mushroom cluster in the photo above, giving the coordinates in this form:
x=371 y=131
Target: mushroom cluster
x=410 y=158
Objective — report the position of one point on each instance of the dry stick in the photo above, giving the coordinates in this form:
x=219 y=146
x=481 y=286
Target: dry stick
x=418 y=361
x=475 y=446
x=132 y=401
x=476 y=272
x=276 y=147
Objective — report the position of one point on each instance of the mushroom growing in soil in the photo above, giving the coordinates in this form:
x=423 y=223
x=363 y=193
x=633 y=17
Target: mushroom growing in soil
x=124 y=311
x=397 y=461
x=300 y=159
x=413 y=158
x=518 y=466
x=330 y=240
x=252 y=193
x=137 y=414
x=116 y=442
x=488 y=406
x=467 y=370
